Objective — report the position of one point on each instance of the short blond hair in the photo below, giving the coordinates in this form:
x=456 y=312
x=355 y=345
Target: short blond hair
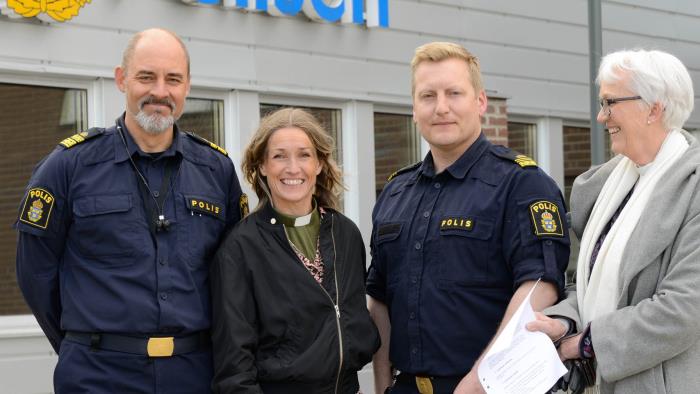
x=438 y=51
x=329 y=183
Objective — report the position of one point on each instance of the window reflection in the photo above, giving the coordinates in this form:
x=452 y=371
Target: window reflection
x=205 y=117
x=396 y=145
x=33 y=120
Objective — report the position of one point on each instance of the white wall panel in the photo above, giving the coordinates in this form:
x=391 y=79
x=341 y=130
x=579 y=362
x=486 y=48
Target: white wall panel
x=538 y=44
x=688 y=7
x=456 y=23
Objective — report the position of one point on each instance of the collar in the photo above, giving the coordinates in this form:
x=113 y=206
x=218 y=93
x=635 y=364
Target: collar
x=268 y=216
x=132 y=148
x=291 y=221
x=461 y=166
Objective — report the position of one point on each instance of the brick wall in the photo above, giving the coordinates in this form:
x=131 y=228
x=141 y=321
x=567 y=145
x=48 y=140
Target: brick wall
x=495 y=121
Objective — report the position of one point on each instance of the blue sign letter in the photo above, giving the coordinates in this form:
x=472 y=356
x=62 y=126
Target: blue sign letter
x=289 y=7
x=330 y=14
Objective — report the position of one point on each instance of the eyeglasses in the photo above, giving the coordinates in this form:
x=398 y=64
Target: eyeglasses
x=605 y=103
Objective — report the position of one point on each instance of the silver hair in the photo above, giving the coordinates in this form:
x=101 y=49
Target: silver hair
x=656 y=76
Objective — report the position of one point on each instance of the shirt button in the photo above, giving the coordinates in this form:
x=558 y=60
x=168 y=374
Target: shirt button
x=156 y=194
x=417 y=246
x=163 y=296
x=548 y=242
x=414 y=350
x=414 y=279
x=162 y=261
x=437 y=185
x=412 y=316
x=426 y=214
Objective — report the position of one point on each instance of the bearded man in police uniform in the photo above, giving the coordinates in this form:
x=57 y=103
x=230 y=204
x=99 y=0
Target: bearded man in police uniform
x=116 y=232
x=459 y=239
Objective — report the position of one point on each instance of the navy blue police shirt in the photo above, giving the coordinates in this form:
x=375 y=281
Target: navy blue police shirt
x=450 y=249
x=87 y=257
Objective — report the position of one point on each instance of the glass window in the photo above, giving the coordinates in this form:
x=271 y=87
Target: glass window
x=577 y=160
x=205 y=117
x=330 y=120
x=396 y=145
x=522 y=138
x=33 y=120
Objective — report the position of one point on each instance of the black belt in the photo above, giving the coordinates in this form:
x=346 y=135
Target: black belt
x=148 y=346
x=437 y=384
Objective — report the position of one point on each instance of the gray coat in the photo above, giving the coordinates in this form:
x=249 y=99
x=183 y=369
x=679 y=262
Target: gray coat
x=650 y=344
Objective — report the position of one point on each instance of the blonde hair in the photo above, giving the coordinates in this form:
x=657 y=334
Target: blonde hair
x=328 y=182
x=438 y=51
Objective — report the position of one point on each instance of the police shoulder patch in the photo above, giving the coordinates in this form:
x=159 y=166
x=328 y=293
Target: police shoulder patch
x=243 y=205
x=81 y=137
x=206 y=142
x=404 y=169
x=511 y=155
x=546 y=219
x=37 y=208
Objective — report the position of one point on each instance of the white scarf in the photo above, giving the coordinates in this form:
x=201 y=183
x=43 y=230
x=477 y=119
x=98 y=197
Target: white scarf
x=598 y=295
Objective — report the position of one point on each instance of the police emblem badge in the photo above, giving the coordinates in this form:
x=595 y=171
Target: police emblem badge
x=243 y=205
x=59 y=10
x=546 y=219
x=37 y=208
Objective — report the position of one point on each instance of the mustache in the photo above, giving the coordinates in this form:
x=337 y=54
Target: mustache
x=153 y=100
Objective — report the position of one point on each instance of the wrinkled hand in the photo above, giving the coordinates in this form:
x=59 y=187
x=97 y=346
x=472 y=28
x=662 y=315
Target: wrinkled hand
x=553 y=328
x=568 y=349
x=470 y=383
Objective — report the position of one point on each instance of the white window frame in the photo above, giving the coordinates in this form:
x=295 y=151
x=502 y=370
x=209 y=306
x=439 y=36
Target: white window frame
x=16 y=325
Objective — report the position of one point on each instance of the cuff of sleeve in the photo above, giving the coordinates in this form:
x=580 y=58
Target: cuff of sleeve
x=585 y=345
x=376 y=294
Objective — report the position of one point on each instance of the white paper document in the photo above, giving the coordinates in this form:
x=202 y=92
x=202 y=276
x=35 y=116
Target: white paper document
x=521 y=361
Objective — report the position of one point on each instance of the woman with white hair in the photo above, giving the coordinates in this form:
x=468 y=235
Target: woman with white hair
x=635 y=311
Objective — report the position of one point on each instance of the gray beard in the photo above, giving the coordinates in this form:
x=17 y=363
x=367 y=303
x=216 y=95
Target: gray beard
x=155 y=123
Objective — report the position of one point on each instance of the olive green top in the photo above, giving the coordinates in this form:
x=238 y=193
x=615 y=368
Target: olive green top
x=302 y=231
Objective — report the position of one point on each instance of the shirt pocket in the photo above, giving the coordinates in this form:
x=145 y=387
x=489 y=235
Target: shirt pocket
x=389 y=248
x=464 y=249
x=105 y=227
x=201 y=222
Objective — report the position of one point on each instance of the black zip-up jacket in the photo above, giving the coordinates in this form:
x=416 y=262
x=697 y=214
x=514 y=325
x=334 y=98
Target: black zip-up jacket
x=275 y=329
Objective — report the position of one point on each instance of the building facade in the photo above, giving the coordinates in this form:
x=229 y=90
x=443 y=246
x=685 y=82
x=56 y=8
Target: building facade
x=346 y=60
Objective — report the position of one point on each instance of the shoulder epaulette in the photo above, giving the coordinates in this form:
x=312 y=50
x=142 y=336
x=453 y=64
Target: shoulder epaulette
x=405 y=169
x=81 y=137
x=206 y=142
x=511 y=155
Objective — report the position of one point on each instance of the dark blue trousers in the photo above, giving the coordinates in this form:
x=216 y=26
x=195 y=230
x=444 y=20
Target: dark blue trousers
x=82 y=370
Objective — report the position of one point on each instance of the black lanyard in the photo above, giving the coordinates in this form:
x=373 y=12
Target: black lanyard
x=156 y=210
x=155 y=214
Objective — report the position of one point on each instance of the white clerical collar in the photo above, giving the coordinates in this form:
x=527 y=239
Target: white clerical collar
x=303 y=220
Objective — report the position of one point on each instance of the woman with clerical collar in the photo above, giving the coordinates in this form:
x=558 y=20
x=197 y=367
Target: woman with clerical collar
x=289 y=308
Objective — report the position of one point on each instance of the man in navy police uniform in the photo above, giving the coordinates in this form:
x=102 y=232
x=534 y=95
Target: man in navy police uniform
x=116 y=231
x=459 y=239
